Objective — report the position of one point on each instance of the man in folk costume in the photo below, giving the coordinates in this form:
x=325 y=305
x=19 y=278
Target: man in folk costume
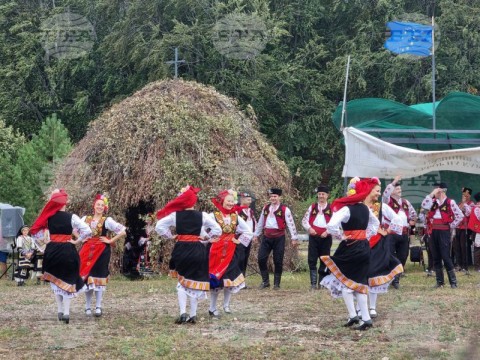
x=460 y=242
x=226 y=254
x=61 y=263
x=189 y=261
x=247 y=214
x=443 y=216
x=474 y=226
x=319 y=241
x=392 y=196
x=275 y=218
x=353 y=223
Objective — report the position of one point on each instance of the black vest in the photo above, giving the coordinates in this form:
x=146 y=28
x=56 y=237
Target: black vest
x=60 y=223
x=359 y=215
x=189 y=222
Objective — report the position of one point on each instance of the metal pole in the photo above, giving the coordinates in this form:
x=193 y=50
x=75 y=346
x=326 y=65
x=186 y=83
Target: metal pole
x=434 y=118
x=176 y=63
x=344 y=105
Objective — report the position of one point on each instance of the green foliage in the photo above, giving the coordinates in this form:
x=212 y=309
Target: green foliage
x=293 y=85
x=25 y=181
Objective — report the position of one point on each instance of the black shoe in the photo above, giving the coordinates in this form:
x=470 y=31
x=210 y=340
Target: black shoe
x=396 y=285
x=276 y=287
x=182 y=319
x=364 y=326
x=437 y=286
x=66 y=319
x=351 y=321
x=98 y=312
x=453 y=286
x=60 y=316
x=264 y=286
x=192 y=320
x=214 y=314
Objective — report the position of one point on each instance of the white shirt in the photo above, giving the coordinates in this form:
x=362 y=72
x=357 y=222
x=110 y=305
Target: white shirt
x=319 y=219
x=271 y=221
x=334 y=226
x=163 y=225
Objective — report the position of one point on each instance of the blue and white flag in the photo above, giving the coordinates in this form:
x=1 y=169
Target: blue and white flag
x=409 y=38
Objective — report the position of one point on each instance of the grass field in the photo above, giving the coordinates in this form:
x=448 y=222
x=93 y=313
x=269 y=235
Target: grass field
x=414 y=322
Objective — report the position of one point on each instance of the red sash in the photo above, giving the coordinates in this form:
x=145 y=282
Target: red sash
x=221 y=253
x=89 y=254
x=327 y=213
x=60 y=238
x=374 y=240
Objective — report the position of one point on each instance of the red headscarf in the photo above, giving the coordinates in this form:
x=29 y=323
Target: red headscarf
x=218 y=202
x=185 y=200
x=58 y=199
x=104 y=199
x=362 y=190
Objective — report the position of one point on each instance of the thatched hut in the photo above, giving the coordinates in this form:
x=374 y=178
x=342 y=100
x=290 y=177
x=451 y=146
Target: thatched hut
x=170 y=133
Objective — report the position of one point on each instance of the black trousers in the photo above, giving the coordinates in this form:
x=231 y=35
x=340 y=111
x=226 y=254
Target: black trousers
x=441 y=249
x=400 y=247
x=277 y=245
x=460 y=248
x=428 y=246
x=244 y=262
x=318 y=246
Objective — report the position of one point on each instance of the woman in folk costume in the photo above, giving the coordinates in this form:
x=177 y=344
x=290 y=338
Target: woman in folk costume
x=353 y=223
x=225 y=255
x=61 y=263
x=384 y=266
x=26 y=253
x=96 y=252
x=189 y=261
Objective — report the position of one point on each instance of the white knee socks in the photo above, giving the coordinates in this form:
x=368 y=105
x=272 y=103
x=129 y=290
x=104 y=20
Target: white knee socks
x=373 y=300
x=348 y=298
x=98 y=298
x=213 y=300
x=363 y=303
x=227 y=295
x=193 y=306
x=66 y=306
x=59 y=299
x=182 y=301
x=88 y=296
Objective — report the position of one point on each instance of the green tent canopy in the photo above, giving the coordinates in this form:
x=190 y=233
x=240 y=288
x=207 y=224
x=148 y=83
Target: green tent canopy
x=457 y=121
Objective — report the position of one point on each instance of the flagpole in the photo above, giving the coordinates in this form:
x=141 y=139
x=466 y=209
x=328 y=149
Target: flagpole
x=344 y=105
x=434 y=118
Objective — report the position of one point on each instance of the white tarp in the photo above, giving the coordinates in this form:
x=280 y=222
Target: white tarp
x=368 y=156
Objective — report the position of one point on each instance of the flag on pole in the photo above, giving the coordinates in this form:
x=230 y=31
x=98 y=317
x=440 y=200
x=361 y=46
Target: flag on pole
x=409 y=38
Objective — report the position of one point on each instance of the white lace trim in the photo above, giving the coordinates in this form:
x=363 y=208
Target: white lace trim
x=197 y=294
x=58 y=291
x=381 y=289
x=334 y=285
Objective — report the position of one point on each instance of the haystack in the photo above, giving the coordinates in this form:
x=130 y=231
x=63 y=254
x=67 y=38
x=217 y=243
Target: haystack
x=169 y=134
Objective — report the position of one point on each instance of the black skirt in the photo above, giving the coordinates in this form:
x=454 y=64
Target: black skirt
x=350 y=264
x=61 y=266
x=189 y=264
x=99 y=273
x=383 y=265
x=233 y=276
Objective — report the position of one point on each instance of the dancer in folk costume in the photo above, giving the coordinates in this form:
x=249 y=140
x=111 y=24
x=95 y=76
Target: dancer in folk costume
x=61 y=263
x=26 y=253
x=315 y=223
x=353 y=223
x=189 y=260
x=96 y=252
x=400 y=242
x=443 y=216
x=275 y=218
x=384 y=266
x=247 y=214
x=227 y=253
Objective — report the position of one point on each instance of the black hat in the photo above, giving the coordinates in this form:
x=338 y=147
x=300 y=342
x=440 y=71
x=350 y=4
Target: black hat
x=441 y=185
x=244 y=194
x=477 y=197
x=322 y=188
x=275 y=191
x=466 y=189
x=399 y=183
